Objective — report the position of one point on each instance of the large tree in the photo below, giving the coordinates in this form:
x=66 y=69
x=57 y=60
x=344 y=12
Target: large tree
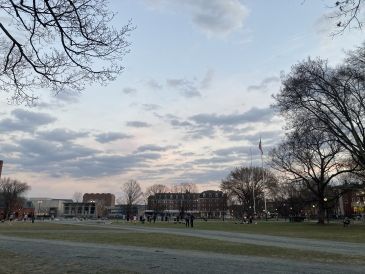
x=331 y=98
x=132 y=193
x=12 y=192
x=248 y=183
x=312 y=161
x=59 y=45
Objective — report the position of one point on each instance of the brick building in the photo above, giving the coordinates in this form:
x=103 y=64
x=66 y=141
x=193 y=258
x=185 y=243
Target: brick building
x=107 y=198
x=210 y=203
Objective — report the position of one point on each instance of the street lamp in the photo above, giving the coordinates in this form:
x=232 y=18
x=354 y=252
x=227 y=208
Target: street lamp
x=39 y=207
x=92 y=201
x=284 y=212
x=325 y=206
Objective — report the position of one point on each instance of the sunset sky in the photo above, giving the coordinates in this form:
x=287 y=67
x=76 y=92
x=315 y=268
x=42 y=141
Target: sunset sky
x=191 y=104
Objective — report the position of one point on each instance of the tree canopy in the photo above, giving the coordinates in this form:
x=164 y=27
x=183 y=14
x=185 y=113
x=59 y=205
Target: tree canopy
x=331 y=98
x=58 y=45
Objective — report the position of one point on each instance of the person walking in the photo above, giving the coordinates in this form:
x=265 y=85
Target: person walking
x=10 y=219
x=187 y=218
x=192 y=220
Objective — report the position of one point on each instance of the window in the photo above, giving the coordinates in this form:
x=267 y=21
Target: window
x=182 y=197
x=204 y=195
x=171 y=197
x=210 y=195
x=165 y=196
x=353 y=199
x=216 y=195
x=358 y=199
x=177 y=196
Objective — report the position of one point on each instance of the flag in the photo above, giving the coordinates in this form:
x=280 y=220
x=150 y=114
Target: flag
x=260 y=147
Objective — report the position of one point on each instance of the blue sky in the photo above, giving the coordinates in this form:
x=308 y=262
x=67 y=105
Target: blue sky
x=192 y=101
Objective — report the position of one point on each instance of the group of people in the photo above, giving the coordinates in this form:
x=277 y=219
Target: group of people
x=189 y=220
x=26 y=216
x=246 y=220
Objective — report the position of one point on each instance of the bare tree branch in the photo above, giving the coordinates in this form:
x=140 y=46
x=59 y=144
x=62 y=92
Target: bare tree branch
x=59 y=45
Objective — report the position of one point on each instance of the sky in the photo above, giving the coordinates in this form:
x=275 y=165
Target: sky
x=190 y=106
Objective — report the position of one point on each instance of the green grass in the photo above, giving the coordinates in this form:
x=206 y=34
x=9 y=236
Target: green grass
x=333 y=231
x=157 y=240
x=44 y=226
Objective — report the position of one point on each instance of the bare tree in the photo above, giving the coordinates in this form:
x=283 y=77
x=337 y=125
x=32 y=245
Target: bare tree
x=332 y=99
x=132 y=193
x=12 y=191
x=184 y=187
x=77 y=197
x=244 y=182
x=311 y=160
x=56 y=44
x=345 y=13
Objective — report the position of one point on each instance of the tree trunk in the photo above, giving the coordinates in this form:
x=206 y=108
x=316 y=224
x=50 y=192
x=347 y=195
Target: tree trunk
x=321 y=214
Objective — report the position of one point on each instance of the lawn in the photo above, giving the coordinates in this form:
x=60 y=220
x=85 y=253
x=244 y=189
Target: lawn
x=119 y=236
x=334 y=231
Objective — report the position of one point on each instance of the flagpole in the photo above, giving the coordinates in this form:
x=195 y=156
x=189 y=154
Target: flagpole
x=253 y=187
x=263 y=176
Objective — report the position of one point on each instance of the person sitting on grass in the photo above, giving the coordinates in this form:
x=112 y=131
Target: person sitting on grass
x=346 y=222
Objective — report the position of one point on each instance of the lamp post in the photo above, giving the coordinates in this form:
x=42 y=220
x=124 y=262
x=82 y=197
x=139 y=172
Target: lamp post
x=325 y=206
x=39 y=207
x=284 y=213
x=92 y=201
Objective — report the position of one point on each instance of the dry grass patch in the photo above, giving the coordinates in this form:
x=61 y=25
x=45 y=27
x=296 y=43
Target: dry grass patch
x=156 y=240
x=17 y=263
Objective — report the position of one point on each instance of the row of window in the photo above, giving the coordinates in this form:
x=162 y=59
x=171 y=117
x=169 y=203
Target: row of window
x=357 y=199
x=182 y=196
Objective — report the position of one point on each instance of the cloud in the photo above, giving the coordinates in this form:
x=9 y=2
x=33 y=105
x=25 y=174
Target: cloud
x=186 y=88
x=25 y=120
x=152 y=147
x=154 y=85
x=216 y=17
x=263 y=87
x=205 y=125
x=128 y=90
x=253 y=115
x=236 y=150
x=111 y=136
x=137 y=124
x=176 y=123
x=205 y=83
x=324 y=25
x=60 y=100
x=211 y=17
x=69 y=159
x=149 y=107
x=61 y=135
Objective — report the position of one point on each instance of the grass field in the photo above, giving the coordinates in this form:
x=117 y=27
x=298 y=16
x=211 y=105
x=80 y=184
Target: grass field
x=72 y=232
x=333 y=231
